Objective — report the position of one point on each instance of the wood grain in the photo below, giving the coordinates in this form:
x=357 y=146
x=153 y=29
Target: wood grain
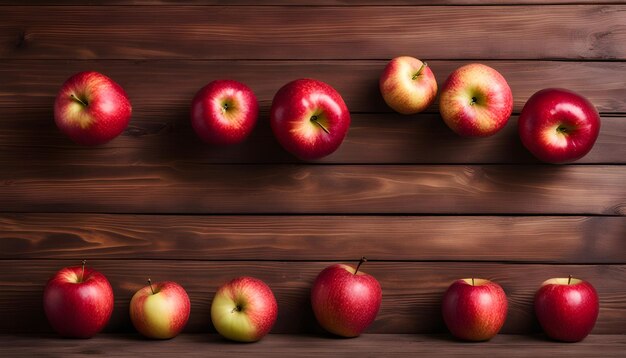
x=32 y=136
x=411 y=291
x=304 y=2
x=266 y=32
x=164 y=88
x=475 y=238
x=312 y=189
x=368 y=345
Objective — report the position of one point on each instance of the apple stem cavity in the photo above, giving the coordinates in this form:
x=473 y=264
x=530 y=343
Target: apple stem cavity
x=473 y=281
x=361 y=261
x=150 y=284
x=474 y=100
x=569 y=279
x=315 y=120
x=236 y=309
x=416 y=75
x=84 y=103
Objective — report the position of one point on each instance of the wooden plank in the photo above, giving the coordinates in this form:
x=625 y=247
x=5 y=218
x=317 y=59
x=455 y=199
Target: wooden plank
x=412 y=291
x=166 y=87
x=520 y=239
x=312 y=189
x=30 y=135
x=304 y=2
x=368 y=345
x=266 y=32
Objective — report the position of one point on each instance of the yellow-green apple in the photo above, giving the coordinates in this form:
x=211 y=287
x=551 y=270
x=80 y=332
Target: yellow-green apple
x=309 y=118
x=78 y=301
x=475 y=101
x=558 y=125
x=91 y=108
x=224 y=112
x=408 y=85
x=160 y=310
x=567 y=308
x=244 y=309
x=345 y=300
x=474 y=309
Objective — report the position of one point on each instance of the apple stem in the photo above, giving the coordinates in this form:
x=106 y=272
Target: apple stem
x=569 y=279
x=150 y=284
x=473 y=281
x=361 y=261
x=415 y=76
x=82 y=274
x=315 y=120
x=84 y=103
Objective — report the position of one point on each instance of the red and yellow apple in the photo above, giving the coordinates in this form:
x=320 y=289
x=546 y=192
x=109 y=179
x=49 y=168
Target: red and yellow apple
x=408 y=85
x=160 y=310
x=475 y=101
x=244 y=309
x=91 y=108
x=224 y=112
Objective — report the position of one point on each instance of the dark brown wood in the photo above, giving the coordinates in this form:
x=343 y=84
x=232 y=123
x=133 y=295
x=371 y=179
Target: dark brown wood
x=412 y=291
x=163 y=89
x=303 y=2
x=266 y=32
x=387 y=345
x=520 y=239
x=234 y=189
x=373 y=139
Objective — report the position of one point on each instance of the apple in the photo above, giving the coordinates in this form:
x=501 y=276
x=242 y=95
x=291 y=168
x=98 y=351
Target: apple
x=567 y=308
x=224 y=112
x=160 y=310
x=345 y=300
x=475 y=101
x=78 y=301
x=309 y=118
x=558 y=126
x=408 y=85
x=91 y=109
x=244 y=309
x=474 y=309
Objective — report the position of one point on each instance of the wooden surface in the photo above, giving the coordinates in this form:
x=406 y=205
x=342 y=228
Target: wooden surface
x=305 y=189
x=265 y=32
x=531 y=239
x=427 y=207
x=370 y=345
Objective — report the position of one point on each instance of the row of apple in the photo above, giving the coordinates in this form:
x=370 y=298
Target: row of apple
x=310 y=118
x=78 y=303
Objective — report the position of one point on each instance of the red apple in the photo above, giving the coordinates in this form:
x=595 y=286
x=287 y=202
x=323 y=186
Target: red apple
x=78 y=302
x=408 y=85
x=91 y=108
x=345 y=300
x=160 y=310
x=224 y=112
x=475 y=101
x=558 y=126
x=474 y=309
x=567 y=308
x=309 y=118
x=244 y=309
